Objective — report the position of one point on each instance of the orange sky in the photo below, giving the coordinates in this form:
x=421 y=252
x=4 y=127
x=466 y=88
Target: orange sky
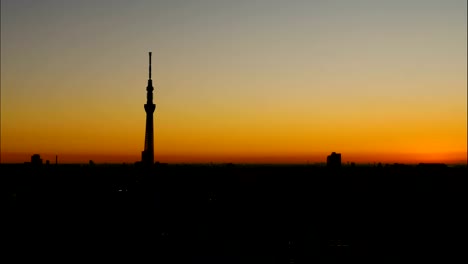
x=235 y=81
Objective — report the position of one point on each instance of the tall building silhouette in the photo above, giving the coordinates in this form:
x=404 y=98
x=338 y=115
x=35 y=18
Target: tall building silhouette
x=147 y=155
x=334 y=160
x=36 y=159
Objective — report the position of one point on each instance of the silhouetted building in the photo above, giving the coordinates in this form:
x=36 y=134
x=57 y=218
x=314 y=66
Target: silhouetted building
x=36 y=159
x=147 y=155
x=334 y=160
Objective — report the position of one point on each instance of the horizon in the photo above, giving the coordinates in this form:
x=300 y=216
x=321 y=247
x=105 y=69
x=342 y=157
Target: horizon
x=262 y=82
x=20 y=158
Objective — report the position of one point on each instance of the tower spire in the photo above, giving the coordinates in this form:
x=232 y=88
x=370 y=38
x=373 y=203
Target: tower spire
x=150 y=65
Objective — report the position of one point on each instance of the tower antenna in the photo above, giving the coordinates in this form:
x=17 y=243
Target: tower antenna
x=150 y=64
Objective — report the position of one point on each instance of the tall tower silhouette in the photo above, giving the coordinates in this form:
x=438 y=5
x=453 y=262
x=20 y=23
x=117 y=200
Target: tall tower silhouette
x=147 y=155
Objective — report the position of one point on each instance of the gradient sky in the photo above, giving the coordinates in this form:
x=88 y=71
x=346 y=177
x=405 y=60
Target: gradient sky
x=240 y=81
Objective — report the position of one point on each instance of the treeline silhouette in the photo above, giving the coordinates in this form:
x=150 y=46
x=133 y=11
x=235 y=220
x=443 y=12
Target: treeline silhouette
x=237 y=213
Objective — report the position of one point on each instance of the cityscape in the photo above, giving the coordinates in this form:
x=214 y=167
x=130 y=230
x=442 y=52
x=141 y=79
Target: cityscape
x=273 y=142
x=238 y=213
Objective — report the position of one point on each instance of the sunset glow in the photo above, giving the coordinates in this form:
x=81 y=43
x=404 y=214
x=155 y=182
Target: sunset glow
x=235 y=81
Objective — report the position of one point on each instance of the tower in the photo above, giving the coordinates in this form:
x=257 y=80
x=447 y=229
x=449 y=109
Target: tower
x=147 y=155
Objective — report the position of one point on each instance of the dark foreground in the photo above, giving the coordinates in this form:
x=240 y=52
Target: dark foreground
x=236 y=214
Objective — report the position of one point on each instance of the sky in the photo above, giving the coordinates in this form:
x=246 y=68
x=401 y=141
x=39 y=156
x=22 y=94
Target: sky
x=265 y=81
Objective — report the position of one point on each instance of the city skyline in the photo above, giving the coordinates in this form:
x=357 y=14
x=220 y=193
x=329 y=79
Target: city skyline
x=244 y=82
